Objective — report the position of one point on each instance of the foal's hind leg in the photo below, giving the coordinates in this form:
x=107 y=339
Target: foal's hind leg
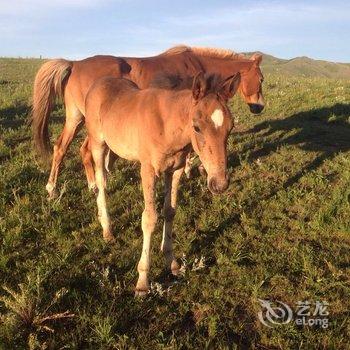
x=73 y=119
x=98 y=151
x=86 y=157
x=171 y=185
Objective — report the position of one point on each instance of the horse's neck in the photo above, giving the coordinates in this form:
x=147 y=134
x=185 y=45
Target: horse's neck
x=224 y=66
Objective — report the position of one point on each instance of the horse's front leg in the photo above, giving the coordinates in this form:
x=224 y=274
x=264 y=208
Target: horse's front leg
x=171 y=185
x=149 y=220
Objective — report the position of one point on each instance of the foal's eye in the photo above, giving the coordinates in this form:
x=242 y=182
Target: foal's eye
x=196 y=128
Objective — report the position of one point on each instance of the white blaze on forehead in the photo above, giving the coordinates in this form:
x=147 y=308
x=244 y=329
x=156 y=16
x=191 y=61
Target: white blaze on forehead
x=217 y=117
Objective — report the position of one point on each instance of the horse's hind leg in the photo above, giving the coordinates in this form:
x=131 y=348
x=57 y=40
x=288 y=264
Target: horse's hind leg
x=73 y=119
x=86 y=157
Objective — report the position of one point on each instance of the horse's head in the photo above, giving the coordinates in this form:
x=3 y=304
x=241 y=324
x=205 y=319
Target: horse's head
x=251 y=85
x=211 y=124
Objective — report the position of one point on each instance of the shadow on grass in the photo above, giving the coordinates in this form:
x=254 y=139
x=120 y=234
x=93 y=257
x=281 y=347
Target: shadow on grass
x=324 y=130
x=14 y=117
x=17 y=115
x=5 y=82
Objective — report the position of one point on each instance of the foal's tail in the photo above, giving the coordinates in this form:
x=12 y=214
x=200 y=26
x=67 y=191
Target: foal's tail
x=48 y=84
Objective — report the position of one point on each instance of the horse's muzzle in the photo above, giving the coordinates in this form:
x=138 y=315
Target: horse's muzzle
x=256 y=108
x=218 y=185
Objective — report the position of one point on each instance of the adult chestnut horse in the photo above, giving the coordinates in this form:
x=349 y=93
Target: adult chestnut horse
x=158 y=128
x=72 y=80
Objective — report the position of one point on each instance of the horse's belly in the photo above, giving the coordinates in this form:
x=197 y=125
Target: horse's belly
x=126 y=153
x=124 y=150
x=123 y=142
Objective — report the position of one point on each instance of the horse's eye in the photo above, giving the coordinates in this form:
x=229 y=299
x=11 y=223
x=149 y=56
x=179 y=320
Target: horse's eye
x=196 y=128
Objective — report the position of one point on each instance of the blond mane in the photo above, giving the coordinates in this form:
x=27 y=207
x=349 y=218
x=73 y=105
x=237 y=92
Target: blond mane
x=203 y=51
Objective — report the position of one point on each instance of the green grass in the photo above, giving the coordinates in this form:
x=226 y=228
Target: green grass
x=281 y=232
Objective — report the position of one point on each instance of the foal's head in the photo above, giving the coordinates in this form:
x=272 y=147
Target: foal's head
x=251 y=85
x=211 y=124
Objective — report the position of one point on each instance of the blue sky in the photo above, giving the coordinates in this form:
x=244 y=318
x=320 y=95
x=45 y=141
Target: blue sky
x=80 y=28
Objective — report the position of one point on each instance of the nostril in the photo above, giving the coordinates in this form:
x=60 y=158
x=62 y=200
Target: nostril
x=259 y=108
x=256 y=108
x=217 y=186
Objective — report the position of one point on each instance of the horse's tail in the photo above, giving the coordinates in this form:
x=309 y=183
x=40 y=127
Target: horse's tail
x=48 y=84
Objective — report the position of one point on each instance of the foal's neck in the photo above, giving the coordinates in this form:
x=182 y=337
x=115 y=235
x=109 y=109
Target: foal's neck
x=178 y=109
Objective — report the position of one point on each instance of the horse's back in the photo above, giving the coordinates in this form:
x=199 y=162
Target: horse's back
x=99 y=66
x=145 y=71
x=85 y=72
x=110 y=88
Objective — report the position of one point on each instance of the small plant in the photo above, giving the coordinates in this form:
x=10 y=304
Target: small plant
x=102 y=330
x=27 y=311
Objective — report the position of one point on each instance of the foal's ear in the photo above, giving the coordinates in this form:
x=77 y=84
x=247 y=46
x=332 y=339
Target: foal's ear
x=199 y=86
x=229 y=86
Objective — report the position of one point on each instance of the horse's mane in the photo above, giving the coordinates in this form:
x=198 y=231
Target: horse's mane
x=203 y=51
x=171 y=82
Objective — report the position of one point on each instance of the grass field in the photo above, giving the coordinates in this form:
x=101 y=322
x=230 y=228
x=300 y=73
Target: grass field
x=280 y=232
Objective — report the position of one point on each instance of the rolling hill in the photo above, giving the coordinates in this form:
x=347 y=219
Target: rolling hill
x=305 y=66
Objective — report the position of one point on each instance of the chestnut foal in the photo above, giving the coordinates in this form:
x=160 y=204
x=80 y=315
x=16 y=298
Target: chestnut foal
x=157 y=127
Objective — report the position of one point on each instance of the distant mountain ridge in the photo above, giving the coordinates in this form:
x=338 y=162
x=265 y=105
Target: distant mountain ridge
x=305 y=66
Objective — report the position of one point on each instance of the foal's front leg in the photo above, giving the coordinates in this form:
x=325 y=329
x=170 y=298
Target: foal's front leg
x=172 y=180
x=149 y=220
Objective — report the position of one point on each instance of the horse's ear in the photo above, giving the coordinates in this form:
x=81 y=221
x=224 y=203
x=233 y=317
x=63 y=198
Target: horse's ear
x=257 y=58
x=199 y=86
x=229 y=86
